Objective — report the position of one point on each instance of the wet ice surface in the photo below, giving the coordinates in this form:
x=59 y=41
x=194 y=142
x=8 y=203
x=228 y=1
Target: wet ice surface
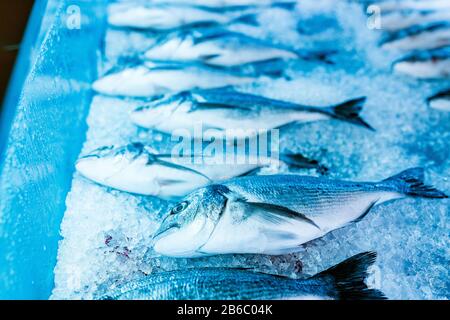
x=107 y=233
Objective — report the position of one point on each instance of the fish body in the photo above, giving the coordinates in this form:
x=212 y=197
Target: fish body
x=429 y=36
x=440 y=101
x=430 y=64
x=396 y=21
x=227 y=109
x=219 y=48
x=344 y=281
x=147 y=79
x=274 y=214
x=167 y=17
x=138 y=169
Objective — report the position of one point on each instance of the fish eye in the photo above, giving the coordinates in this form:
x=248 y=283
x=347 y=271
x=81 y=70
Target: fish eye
x=179 y=207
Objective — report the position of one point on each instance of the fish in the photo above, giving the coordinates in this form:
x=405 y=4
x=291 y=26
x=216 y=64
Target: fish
x=150 y=79
x=428 y=36
x=168 y=17
x=224 y=48
x=440 y=101
x=225 y=109
x=396 y=21
x=425 y=64
x=344 y=281
x=275 y=214
x=140 y=169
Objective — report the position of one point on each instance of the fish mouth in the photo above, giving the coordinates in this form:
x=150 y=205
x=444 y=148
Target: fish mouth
x=160 y=233
x=98 y=152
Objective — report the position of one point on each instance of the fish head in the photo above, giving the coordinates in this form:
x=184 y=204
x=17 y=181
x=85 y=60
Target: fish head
x=132 y=80
x=159 y=112
x=117 y=167
x=190 y=223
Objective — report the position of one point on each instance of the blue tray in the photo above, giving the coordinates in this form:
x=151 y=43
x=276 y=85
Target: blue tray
x=42 y=129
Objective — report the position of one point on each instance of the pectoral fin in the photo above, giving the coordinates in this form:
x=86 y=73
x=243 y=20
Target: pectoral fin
x=208 y=57
x=276 y=214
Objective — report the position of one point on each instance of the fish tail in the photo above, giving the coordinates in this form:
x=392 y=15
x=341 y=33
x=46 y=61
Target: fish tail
x=350 y=111
x=348 y=278
x=411 y=182
x=297 y=160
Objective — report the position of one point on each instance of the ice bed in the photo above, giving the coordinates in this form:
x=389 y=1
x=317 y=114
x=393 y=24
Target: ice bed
x=64 y=237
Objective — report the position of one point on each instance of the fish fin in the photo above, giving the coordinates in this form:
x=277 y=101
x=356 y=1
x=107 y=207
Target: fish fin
x=349 y=276
x=250 y=19
x=442 y=94
x=156 y=159
x=275 y=213
x=250 y=172
x=350 y=111
x=371 y=205
x=285 y=5
x=203 y=37
x=297 y=160
x=207 y=57
x=411 y=182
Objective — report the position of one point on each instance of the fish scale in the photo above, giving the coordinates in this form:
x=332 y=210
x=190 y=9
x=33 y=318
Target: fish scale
x=204 y=283
x=345 y=280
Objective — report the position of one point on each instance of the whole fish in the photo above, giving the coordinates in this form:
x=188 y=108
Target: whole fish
x=275 y=214
x=344 y=281
x=440 y=101
x=429 y=36
x=139 y=169
x=432 y=64
x=224 y=49
x=150 y=79
x=167 y=17
x=225 y=109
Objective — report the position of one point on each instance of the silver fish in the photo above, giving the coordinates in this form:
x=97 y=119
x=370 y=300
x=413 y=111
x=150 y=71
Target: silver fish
x=149 y=79
x=432 y=64
x=167 y=17
x=224 y=49
x=139 y=169
x=344 y=281
x=422 y=37
x=275 y=214
x=440 y=101
x=225 y=109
